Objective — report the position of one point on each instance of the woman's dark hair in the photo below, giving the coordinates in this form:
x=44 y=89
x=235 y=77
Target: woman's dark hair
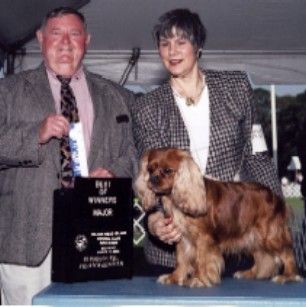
x=62 y=11
x=186 y=23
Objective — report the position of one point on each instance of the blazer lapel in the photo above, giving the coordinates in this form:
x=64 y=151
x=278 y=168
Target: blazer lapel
x=171 y=122
x=101 y=104
x=41 y=90
x=217 y=100
x=45 y=105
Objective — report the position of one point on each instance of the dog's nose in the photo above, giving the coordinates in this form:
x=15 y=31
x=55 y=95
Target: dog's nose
x=154 y=179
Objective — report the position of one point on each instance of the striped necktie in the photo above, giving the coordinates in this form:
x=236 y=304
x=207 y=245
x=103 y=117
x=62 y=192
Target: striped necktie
x=70 y=111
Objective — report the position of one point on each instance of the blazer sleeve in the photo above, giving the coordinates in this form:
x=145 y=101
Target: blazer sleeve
x=257 y=164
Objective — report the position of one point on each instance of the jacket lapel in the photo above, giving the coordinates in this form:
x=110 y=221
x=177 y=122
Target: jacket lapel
x=45 y=105
x=101 y=105
x=171 y=122
x=219 y=98
x=173 y=130
x=41 y=90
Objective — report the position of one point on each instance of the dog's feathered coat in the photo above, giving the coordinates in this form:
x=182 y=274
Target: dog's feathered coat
x=215 y=218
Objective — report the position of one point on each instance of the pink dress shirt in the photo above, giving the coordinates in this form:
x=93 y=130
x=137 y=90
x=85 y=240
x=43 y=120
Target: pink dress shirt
x=84 y=103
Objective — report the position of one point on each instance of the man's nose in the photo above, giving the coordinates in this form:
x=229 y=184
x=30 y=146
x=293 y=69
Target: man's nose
x=66 y=38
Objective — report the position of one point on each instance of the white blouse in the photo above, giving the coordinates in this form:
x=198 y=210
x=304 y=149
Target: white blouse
x=196 y=119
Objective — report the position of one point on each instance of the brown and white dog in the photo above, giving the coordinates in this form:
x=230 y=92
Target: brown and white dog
x=216 y=218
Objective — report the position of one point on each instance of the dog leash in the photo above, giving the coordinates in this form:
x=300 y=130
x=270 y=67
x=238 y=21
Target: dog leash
x=158 y=207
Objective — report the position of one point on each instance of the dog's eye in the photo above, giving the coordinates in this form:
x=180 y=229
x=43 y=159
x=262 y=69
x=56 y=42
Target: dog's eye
x=168 y=171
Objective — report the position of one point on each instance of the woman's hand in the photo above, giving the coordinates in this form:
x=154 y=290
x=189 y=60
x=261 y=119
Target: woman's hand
x=163 y=228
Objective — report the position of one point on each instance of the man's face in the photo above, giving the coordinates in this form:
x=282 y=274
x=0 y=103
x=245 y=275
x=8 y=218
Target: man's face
x=63 y=42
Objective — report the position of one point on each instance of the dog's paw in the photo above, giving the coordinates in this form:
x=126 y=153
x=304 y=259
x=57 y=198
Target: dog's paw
x=281 y=279
x=165 y=279
x=195 y=283
x=238 y=275
x=168 y=279
x=298 y=278
x=212 y=278
x=247 y=274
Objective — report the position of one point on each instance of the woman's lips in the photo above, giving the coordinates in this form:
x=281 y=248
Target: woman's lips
x=174 y=62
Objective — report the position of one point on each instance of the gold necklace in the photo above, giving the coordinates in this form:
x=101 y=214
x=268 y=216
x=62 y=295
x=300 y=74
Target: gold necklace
x=190 y=100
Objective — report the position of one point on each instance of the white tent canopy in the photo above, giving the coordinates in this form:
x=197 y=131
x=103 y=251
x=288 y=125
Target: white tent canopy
x=266 y=38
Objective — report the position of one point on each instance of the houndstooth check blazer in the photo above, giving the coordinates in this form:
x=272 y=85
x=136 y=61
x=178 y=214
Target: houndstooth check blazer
x=157 y=122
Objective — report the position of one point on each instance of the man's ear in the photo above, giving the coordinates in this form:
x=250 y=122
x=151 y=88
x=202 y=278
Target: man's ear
x=88 y=38
x=39 y=37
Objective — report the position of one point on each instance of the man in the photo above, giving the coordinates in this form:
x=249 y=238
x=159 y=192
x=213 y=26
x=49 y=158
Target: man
x=31 y=127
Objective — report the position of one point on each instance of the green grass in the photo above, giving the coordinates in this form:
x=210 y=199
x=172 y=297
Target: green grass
x=297 y=204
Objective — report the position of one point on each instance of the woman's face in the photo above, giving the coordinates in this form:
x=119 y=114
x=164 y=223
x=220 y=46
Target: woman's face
x=178 y=55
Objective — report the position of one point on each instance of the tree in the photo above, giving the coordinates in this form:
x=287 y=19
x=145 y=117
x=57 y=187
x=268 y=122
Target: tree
x=290 y=112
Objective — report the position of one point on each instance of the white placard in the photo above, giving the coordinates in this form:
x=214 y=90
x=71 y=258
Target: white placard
x=258 y=139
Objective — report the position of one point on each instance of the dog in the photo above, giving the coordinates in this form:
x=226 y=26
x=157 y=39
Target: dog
x=216 y=218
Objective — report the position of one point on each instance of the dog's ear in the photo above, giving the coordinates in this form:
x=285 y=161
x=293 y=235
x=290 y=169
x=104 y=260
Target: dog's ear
x=146 y=196
x=188 y=190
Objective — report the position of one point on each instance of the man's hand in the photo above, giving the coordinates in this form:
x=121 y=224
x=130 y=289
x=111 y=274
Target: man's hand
x=163 y=228
x=101 y=173
x=53 y=126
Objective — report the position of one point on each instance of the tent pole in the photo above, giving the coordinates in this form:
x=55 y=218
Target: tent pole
x=274 y=125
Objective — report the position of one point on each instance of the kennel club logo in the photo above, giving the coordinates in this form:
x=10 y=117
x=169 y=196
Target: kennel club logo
x=80 y=243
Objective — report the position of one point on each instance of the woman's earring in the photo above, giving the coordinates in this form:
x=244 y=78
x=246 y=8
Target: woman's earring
x=199 y=53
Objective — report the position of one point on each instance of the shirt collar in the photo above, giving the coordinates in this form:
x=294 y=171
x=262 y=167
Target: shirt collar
x=75 y=77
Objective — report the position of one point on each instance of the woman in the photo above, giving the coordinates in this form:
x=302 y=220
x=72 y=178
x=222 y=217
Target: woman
x=209 y=113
